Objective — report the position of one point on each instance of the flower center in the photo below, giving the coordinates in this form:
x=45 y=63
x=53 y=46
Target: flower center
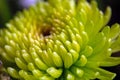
x=46 y=32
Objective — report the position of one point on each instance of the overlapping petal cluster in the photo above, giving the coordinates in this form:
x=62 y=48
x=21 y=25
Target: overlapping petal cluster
x=60 y=40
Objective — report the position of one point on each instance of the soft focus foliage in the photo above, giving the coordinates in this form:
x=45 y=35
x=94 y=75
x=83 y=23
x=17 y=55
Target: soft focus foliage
x=60 y=40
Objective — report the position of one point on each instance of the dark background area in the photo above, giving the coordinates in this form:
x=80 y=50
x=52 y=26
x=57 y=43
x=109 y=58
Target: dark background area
x=115 y=6
x=13 y=6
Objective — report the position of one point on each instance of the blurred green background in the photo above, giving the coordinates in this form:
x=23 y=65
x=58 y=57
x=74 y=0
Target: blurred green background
x=8 y=9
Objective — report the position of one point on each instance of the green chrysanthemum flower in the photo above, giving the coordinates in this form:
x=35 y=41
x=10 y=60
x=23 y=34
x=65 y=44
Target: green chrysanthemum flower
x=60 y=40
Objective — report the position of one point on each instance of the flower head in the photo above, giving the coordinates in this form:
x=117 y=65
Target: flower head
x=60 y=40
